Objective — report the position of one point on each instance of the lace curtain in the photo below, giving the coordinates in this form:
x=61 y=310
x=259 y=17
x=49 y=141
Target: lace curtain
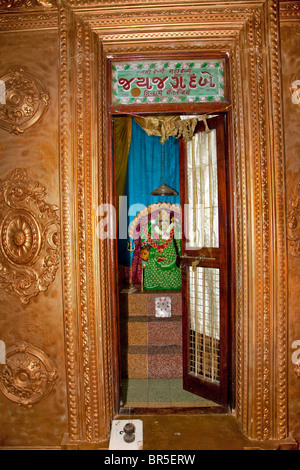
x=203 y=229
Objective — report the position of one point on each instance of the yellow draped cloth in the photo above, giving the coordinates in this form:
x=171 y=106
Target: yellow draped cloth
x=168 y=126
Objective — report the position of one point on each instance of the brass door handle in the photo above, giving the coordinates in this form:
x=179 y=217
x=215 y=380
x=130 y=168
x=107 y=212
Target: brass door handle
x=197 y=258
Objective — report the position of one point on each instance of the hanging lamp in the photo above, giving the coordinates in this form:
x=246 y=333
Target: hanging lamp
x=163 y=189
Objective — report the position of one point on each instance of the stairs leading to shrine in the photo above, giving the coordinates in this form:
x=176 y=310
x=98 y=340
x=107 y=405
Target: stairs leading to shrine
x=151 y=346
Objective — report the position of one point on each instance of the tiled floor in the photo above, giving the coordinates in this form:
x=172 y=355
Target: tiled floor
x=160 y=393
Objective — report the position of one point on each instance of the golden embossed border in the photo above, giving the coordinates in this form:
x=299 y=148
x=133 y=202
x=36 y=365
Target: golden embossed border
x=87 y=37
x=28 y=20
x=289 y=10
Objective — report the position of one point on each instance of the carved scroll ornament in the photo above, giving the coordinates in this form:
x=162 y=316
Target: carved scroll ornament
x=29 y=238
x=293 y=222
x=28 y=375
x=26 y=101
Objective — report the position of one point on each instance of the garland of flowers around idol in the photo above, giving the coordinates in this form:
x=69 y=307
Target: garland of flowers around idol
x=155 y=245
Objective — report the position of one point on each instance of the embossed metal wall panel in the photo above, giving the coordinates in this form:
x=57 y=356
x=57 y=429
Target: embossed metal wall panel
x=33 y=403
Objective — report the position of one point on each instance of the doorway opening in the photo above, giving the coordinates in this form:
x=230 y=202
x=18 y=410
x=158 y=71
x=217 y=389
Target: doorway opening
x=172 y=263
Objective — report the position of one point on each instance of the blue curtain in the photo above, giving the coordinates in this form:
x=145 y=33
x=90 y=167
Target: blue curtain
x=144 y=174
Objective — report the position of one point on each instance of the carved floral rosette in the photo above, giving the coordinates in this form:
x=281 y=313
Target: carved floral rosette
x=28 y=376
x=29 y=237
x=293 y=222
x=26 y=101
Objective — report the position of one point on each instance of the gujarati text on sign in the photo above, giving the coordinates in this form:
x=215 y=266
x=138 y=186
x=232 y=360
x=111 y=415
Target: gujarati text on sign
x=168 y=82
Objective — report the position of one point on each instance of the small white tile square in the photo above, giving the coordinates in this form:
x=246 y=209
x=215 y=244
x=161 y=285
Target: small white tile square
x=163 y=307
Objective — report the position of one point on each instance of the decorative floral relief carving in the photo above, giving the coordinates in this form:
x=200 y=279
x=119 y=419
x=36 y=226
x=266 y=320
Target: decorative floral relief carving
x=29 y=237
x=297 y=370
x=293 y=222
x=26 y=101
x=28 y=375
x=11 y=4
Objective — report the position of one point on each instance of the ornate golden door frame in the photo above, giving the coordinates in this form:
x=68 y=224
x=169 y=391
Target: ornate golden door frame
x=248 y=32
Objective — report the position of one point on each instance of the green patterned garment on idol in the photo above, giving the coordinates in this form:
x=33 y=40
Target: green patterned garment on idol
x=162 y=272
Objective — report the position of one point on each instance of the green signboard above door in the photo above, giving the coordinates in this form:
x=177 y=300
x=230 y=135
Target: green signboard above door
x=163 y=82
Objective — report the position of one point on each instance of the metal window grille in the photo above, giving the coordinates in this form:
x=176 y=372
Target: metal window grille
x=204 y=321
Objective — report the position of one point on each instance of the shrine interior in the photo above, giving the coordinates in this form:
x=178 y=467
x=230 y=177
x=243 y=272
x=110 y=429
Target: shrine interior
x=147 y=169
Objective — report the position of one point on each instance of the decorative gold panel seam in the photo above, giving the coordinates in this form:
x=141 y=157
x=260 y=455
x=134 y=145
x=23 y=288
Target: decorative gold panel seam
x=258 y=137
x=278 y=232
x=105 y=294
x=68 y=262
x=23 y=4
x=86 y=256
x=241 y=244
x=205 y=5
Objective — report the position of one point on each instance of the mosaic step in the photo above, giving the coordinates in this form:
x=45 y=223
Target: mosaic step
x=144 y=303
x=153 y=362
x=151 y=335
x=159 y=333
